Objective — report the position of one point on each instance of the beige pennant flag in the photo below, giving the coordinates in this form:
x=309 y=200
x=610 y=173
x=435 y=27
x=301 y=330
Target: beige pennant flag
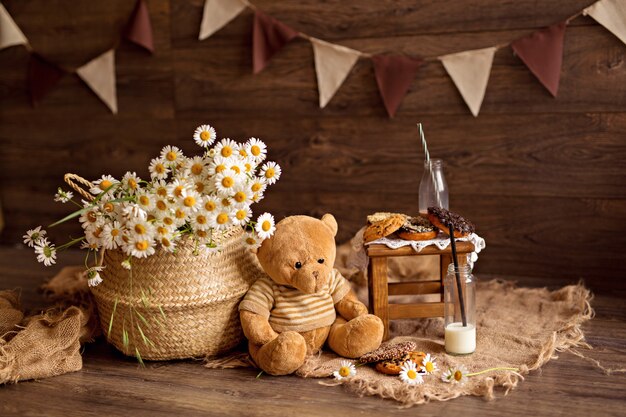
x=332 y=66
x=99 y=75
x=10 y=33
x=470 y=72
x=217 y=13
x=611 y=14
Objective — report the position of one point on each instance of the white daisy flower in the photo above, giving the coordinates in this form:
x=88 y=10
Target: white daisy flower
x=160 y=188
x=63 y=196
x=197 y=166
x=139 y=246
x=201 y=186
x=249 y=166
x=171 y=155
x=131 y=182
x=409 y=374
x=204 y=136
x=265 y=226
x=102 y=184
x=141 y=228
x=251 y=240
x=238 y=166
x=220 y=219
x=208 y=248
x=203 y=236
x=112 y=235
x=93 y=276
x=179 y=188
x=93 y=233
x=428 y=364
x=242 y=153
x=158 y=169
x=167 y=243
x=90 y=216
x=226 y=148
x=257 y=149
x=271 y=171
x=199 y=220
x=132 y=211
x=210 y=204
x=456 y=375
x=192 y=201
x=126 y=264
x=241 y=215
x=225 y=182
x=258 y=185
x=180 y=216
x=169 y=220
x=88 y=246
x=46 y=252
x=145 y=200
x=218 y=164
x=346 y=370
x=242 y=194
x=161 y=206
x=33 y=236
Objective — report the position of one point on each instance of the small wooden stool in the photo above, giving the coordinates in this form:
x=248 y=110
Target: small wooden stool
x=380 y=289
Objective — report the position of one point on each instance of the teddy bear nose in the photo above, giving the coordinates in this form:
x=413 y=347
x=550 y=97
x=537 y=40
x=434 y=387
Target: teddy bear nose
x=316 y=274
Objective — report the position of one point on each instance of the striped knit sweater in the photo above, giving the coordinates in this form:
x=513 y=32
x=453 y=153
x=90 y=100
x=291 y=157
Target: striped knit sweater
x=288 y=308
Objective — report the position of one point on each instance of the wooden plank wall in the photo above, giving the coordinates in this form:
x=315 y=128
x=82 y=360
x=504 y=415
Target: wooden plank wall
x=543 y=179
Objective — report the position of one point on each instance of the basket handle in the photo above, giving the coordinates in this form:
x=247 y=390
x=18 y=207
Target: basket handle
x=72 y=179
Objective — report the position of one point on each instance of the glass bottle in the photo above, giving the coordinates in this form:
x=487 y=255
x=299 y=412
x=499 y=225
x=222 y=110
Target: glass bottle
x=433 y=183
x=460 y=339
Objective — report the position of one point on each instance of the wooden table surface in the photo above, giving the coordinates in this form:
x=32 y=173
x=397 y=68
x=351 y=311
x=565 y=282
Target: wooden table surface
x=111 y=384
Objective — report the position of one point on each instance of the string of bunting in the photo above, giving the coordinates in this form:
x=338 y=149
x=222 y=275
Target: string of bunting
x=541 y=51
x=98 y=74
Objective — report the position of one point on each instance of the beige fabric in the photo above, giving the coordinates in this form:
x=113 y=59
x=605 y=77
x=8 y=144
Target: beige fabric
x=10 y=33
x=611 y=14
x=99 y=75
x=333 y=63
x=216 y=14
x=470 y=72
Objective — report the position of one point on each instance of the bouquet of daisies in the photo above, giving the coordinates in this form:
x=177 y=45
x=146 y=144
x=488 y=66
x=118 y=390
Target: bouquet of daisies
x=185 y=198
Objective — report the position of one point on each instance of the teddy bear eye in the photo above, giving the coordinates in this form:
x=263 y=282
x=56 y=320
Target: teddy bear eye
x=298 y=265
x=320 y=261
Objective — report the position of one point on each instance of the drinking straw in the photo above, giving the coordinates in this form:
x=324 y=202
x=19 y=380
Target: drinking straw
x=458 y=276
x=427 y=157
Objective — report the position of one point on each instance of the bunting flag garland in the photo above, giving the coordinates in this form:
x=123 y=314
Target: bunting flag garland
x=42 y=77
x=470 y=72
x=139 y=28
x=268 y=37
x=10 y=33
x=394 y=74
x=217 y=14
x=542 y=52
x=611 y=14
x=99 y=75
x=333 y=63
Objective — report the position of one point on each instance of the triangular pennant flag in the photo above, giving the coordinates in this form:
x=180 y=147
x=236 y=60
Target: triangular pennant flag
x=42 y=76
x=332 y=66
x=268 y=37
x=611 y=14
x=470 y=72
x=99 y=75
x=139 y=28
x=394 y=74
x=216 y=14
x=542 y=52
x=10 y=33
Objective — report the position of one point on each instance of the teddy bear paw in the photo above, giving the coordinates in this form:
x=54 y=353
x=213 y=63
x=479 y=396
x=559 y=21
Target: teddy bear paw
x=357 y=337
x=282 y=355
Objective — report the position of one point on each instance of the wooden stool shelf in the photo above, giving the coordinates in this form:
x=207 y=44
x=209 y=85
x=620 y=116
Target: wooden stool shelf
x=380 y=289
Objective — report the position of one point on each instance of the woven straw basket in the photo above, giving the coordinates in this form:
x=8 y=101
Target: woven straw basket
x=185 y=304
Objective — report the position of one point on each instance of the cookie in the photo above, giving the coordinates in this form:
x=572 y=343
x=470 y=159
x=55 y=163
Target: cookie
x=442 y=218
x=417 y=228
x=388 y=351
x=394 y=366
x=383 y=228
x=381 y=215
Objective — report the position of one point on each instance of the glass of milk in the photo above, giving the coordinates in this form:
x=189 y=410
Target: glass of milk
x=460 y=337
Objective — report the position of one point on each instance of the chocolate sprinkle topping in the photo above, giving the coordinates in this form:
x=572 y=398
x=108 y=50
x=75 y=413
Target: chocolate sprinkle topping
x=458 y=222
x=385 y=352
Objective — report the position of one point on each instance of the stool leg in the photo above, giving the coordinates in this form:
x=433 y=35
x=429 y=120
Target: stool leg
x=379 y=291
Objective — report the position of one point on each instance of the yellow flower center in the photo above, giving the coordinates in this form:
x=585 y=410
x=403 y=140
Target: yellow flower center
x=220 y=168
x=209 y=206
x=458 y=375
x=115 y=232
x=429 y=367
x=256 y=186
x=266 y=225
x=240 y=196
x=105 y=184
x=168 y=221
x=225 y=202
x=144 y=200
x=241 y=214
x=243 y=152
x=248 y=167
x=165 y=242
x=97 y=232
x=250 y=241
x=142 y=245
x=140 y=229
x=189 y=201
x=236 y=169
x=199 y=186
x=270 y=173
x=201 y=233
x=162 y=191
x=227 y=151
x=159 y=169
x=205 y=136
x=227 y=182
x=344 y=371
x=196 y=169
x=411 y=374
x=161 y=205
x=132 y=184
x=180 y=214
x=201 y=219
x=171 y=156
x=109 y=207
x=178 y=191
x=255 y=150
x=162 y=230
x=222 y=218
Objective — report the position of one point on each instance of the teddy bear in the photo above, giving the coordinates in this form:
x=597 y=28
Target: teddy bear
x=304 y=302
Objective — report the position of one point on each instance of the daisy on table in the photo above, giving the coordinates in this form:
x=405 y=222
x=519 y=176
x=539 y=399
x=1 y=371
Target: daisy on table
x=456 y=375
x=428 y=364
x=409 y=373
x=346 y=370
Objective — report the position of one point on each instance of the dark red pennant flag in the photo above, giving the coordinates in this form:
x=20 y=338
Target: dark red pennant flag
x=139 y=28
x=394 y=74
x=42 y=76
x=542 y=52
x=268 y=37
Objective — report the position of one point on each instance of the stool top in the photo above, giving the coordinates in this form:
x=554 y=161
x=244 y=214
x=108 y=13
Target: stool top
x=462 y=247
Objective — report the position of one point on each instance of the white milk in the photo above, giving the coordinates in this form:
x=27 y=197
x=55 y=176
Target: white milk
x=460 y=340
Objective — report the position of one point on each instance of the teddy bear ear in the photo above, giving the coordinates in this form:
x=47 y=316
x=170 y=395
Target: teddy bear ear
x=329 y=220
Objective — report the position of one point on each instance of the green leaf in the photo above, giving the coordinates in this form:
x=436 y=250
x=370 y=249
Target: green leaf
x=162 y=313
x=138 y=356
x=146 y=341
x=125 y=338
x=144 y=299
x=141 y=317
x=112 y=315
x=259 y=375
x=70 y=216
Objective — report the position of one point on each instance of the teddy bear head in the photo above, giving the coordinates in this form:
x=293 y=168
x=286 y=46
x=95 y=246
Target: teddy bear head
x=301 y=253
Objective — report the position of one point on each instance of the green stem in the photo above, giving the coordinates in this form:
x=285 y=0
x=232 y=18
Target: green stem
x=493 y=369
x=70 y=243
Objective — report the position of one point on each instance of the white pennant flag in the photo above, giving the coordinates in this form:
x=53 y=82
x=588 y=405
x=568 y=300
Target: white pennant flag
x=217 y=13
x=470 y=72
x=10 y=34
x=99 y=75
x=611 y=14
x=332 y=66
